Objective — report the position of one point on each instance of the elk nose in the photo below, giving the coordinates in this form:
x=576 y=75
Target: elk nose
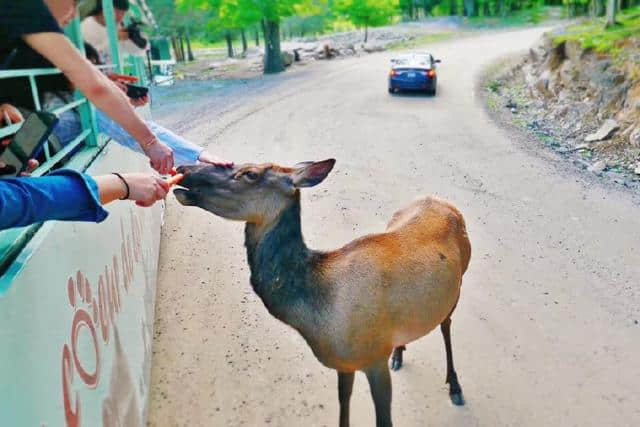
x=185 y=169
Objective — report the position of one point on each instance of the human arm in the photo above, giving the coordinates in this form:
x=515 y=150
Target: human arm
x=144 y=189
x=62 y=195
x=67 y=195
x=99 y=90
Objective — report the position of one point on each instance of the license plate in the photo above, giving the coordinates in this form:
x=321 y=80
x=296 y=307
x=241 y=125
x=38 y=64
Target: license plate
x=411 y=75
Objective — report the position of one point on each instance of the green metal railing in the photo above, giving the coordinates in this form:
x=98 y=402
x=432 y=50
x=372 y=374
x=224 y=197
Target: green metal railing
x=86 y=146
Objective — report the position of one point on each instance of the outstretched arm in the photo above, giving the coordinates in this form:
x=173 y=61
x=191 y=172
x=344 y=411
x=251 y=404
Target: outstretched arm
x=102 y=92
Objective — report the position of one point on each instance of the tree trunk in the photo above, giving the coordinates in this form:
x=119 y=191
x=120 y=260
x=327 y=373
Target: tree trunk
x=227 y=37
x=272 y=54
x=469 y=5
x=184 y=56
x=176 y=50
x=190 y=56
x=257 y=37
x=611 y=13
x=366 y=32
x=244 y=41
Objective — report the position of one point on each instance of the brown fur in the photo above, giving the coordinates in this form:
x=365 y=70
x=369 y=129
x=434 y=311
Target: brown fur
x=354 y=305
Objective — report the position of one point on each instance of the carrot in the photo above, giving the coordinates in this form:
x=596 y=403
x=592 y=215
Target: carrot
x=174 y=180
x=173 y=172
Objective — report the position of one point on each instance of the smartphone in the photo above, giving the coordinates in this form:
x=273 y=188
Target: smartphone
x=135 y=92
x=28 y=142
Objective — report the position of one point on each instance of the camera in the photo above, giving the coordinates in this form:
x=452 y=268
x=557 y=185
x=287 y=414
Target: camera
x=135 y=35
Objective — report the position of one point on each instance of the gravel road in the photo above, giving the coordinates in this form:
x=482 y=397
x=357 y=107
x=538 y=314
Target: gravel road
x=547 y=329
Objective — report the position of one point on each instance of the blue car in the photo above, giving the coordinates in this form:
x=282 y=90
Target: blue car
x=415 y=71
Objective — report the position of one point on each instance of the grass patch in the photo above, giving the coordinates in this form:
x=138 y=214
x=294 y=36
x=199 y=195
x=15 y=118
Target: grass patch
x=517 y=19
x=420 y=41
x=593 y=34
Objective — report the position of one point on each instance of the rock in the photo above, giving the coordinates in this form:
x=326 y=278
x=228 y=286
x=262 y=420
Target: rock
x=556 y=57
x=598 y=166
x=637 y=169
x=574 y=51
x=568 y=73
x=536 y=54
x=542 y=85
x=612 y=100
x=606 y=130
x=287 y=58
x=371 y=48
x=634 y=137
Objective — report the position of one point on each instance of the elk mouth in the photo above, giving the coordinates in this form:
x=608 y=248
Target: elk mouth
x=185 y=196
x=197 y=188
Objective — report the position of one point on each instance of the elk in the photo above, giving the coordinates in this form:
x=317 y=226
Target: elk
x=355 y=306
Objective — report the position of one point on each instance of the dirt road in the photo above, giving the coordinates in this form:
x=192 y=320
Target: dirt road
x=546 y=332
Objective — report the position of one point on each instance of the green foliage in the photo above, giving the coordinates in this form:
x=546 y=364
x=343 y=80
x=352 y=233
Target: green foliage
x=593 y=35
x=210 y=20
x=367 y=13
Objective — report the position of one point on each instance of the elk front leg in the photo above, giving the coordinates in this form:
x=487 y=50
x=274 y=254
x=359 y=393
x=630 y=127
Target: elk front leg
x=345 y=386
x=396 y=358
x=455 y=392
x=380 y=384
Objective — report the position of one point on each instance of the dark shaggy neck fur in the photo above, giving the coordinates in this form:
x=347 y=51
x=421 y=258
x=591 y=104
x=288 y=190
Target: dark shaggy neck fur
x=282 y=268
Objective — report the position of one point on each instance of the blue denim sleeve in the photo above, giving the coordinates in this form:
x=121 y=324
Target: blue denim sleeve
x=64 y=195
x=184 y=152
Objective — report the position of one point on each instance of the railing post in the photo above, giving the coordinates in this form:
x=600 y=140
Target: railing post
x=86 y=110
x=112 y=30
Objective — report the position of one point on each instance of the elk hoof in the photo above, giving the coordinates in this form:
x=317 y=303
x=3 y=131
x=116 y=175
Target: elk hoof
x=396 y=364
x=457 y=398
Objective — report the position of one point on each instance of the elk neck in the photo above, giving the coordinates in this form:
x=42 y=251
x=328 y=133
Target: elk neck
x=282 y=268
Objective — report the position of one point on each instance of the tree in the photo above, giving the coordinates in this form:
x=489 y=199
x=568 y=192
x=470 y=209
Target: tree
x=367 y=13
x=612 y=5
x=272 y=12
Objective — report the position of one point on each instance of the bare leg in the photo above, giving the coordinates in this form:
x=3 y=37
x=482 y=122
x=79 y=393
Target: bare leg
x=396 y=358
x=345 y=386
x=380 y=384
x=455 y=392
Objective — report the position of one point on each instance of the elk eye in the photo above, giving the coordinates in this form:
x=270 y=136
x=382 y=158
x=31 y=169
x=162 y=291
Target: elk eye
x=251 y=176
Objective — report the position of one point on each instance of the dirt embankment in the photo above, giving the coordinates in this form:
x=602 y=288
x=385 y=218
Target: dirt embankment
x=581 y=103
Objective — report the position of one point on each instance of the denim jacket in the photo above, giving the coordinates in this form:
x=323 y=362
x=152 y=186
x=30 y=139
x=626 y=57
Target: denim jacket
x=64 y=195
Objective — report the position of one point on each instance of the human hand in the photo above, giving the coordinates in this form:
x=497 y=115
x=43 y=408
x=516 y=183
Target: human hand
x=145 y=189
x=206 y=157
x=11 y=112
x=139 y=102
x=123 y=34
x=161 y=156
x=32 y=164
x=10 y=115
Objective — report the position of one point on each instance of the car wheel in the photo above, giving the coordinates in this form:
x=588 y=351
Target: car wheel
x=391 y=90
x=432 y=92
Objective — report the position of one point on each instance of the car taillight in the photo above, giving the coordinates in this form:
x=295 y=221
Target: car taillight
x=393 y=73
x=431 y=73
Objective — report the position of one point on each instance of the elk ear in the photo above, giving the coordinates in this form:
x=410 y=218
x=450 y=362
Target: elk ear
x=308 y=174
